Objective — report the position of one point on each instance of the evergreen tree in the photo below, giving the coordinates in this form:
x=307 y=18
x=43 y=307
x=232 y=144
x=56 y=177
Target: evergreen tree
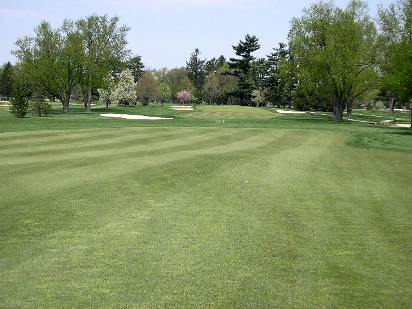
x=214 y=64
x=136 y=66
x=196 y=71
x=242 y=68
x=6 y=80
x=280 y=81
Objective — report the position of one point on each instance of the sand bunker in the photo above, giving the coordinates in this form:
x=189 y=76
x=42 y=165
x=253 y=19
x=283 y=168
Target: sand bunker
x=401 y=125
x=182 y=108
x=282 y=111
x=134 y=117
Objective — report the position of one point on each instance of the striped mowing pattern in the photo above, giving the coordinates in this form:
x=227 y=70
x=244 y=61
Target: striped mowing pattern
x=197 y=217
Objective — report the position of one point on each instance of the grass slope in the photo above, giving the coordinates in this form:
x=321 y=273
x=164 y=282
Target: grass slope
x=203 y=216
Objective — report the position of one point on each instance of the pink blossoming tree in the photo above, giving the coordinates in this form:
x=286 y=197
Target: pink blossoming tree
x=184 y=96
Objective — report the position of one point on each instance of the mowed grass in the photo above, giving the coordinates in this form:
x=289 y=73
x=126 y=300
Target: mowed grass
x=127 y=215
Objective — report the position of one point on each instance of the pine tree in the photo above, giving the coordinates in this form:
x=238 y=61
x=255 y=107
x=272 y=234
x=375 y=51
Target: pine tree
x=274 y=82
x=242 y=68
x=6 y=80
x=196 y=71
x=136 y=66
x=214 y=64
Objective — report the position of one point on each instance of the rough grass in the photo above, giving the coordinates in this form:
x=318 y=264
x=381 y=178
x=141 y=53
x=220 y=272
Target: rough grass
x=118 y=216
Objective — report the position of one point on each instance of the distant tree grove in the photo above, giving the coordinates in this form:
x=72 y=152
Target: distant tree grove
x=335 y=58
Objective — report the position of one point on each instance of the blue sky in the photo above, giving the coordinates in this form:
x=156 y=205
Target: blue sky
x=165 y=32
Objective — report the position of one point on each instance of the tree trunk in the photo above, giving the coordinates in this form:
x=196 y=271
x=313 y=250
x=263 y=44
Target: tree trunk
x=349 y=112
x=392 y=104
x=410 y=112
x=89 y=98
x=66 y=102
x=88 y=101
x=338 y=109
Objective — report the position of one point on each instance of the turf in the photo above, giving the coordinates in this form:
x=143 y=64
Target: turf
x=265 y=210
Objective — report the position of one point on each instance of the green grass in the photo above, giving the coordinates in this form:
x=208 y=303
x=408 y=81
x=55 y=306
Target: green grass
x=264 y=210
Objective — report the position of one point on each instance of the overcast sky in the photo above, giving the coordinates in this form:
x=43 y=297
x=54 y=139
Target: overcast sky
x=165 y=32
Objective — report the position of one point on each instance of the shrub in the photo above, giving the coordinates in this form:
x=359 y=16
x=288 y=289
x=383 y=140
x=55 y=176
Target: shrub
x=19 y=103
x=39 y=106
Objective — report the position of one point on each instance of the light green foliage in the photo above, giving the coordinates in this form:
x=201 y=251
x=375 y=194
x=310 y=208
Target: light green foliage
x=219 y=85
x=258 y=98
x=165 y=92
x=104 y=42
x=178 y=80
x=396 y=41
x=336 y=52
x=51 y=60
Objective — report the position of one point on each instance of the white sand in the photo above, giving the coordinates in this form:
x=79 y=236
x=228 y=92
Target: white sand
x=402 y=125
x=282 y=111
x=134 y=117
x=182 y=108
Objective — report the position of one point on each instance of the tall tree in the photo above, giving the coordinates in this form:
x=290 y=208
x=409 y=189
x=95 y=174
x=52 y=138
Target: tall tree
x=178 y=80
x=51 y=60
x=123 y=91
x=396 y=41
x=165 y=92
x=242 y=68
x=219 y=85
x=212 y=65
x=136 y=66
x=104 y=42
x=336 y=51
x=160 y=74
x=6 y=80
x=195 y=68
x=148 y=88
x=279 y=79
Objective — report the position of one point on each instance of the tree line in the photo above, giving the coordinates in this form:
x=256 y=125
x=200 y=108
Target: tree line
x=334 y=58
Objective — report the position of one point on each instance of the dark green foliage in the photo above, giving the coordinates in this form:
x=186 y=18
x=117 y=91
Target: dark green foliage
x=6 y=80
x=195 y=68
x=39 y=106
x=281 y=77
x=242 y=68
x=136 y=66
x=212 y=65
x=19 y=102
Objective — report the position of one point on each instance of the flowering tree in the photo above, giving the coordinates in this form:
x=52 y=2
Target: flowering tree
x=184 y=96
x=106 y=92
x=124 y=91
